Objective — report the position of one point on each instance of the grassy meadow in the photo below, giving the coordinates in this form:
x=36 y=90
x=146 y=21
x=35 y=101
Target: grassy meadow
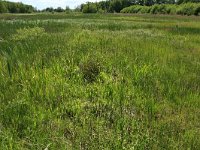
x=101 y=81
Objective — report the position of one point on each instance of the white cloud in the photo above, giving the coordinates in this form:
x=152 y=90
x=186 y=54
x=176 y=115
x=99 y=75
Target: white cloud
x=41 y=4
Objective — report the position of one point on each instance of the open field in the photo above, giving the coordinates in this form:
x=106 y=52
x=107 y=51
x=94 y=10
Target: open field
x=74 y=81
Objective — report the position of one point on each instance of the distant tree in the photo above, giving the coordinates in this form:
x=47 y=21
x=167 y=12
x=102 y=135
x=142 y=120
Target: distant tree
x=118 y=5
x=104 y=5
x=115 y=6
x=67 y=9
x=49 y=9
x=22 y=8
x=12 y=7
x=78 y=8
x=89 y=8
x=3 y=8
x=59 y=9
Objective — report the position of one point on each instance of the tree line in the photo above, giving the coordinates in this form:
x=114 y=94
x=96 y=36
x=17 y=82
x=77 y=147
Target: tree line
x=182 y=9
x=106 y=6
x=12 y=7
x=117 y=5
x=58 y=9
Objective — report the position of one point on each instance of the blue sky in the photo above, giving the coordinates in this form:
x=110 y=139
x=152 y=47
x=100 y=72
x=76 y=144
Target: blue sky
x=41 y=4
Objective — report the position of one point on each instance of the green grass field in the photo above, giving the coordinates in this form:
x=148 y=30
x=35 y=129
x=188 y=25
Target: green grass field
x=113 y=82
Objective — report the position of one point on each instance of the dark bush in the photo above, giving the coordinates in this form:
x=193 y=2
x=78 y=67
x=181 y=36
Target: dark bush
x=171 y=9
x=89 y=8
x=3 y=8
x=197 y=10
x=132 y=9
x=90 y=70
x=154 y=9
x=186 y=9
x=159 y=9
x=145 y=10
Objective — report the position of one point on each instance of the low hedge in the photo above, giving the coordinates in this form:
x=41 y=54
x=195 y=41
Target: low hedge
x=182 y=9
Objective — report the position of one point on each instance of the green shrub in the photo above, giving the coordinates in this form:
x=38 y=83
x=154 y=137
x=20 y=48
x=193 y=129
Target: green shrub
x=154 y=9
x=197 y=10
x=145 y=10
x=3 y=8
x=159 y=9
x=89 y=8
x=186 y=9
x=132 y=9
x=90 y=70
x=101 y=11
x=137 y=9
x=171 y=9
x=125 y=10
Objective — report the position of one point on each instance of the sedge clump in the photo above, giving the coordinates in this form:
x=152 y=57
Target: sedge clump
x=90 y=70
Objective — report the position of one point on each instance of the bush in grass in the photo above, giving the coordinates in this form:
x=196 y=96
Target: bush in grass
x=171 y=9
x=145 y=10
x=137 y=8
x=3 y=8
x=159 y=9
x=89 y=8
x=154 y=9
x=125 y=10
x=132 y=9
x=90 y=70
x=101 y=11
x=197 y=10
x=187 y=9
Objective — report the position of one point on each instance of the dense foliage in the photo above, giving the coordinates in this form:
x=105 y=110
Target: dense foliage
x=182 y=9
x=11 y=7
x=118 y=5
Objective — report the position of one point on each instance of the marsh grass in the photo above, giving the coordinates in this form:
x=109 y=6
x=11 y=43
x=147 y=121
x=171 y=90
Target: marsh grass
x=73 y=81
x=28 y=33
